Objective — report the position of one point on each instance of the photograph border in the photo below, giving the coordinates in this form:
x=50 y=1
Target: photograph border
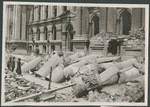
x=146 y=6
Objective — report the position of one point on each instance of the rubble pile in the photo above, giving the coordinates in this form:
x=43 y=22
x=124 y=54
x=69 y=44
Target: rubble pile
x=17 y=87
x=135 y=39
x=117 y=93
x=97 y=78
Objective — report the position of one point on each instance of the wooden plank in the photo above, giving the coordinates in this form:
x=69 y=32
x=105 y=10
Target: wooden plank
x=48 y=98
x=27 y=97
x=107 y=59
x=40 y=93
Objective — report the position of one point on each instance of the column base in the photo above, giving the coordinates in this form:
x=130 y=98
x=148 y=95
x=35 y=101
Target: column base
x=80 y=45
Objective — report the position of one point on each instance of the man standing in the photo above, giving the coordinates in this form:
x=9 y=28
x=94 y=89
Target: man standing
x=9 y=63
x=12 y=64
x=18 y=70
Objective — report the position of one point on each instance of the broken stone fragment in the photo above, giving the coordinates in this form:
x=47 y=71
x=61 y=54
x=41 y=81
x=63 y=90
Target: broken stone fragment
x=141 y=80
x=126 y=63
x=57 y=74
x=125 y=92
x=23 y=88
x=128 y=75
x=51 y=63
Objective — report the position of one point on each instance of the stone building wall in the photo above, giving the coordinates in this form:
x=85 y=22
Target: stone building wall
x=36 y=26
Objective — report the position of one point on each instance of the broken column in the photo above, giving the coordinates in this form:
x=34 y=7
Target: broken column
x=84 y=83
x=31 y=65
x=52 y=62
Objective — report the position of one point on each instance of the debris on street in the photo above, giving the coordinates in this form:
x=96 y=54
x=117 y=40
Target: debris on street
x=16 y=86
x=95 y=78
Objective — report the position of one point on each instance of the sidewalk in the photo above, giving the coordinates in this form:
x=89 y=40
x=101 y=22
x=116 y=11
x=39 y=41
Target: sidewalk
x=45 y=83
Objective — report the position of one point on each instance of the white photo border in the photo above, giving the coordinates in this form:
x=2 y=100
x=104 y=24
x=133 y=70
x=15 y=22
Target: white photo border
x=146 y=6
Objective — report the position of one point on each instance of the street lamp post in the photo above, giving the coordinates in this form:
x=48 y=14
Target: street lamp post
x=48 y=46
x=33 y=42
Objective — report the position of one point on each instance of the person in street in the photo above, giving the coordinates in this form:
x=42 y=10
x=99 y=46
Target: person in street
x=9 y=63
x=12 y=64
x=18 y=70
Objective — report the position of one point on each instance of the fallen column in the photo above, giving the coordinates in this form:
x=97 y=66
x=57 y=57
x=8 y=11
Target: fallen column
x=83 y=83
x=74 y=58
x=89 y=68
x=106 y=59
x=106 y=65
x=128 y=75
x=76 y=55
x=121 y=65
x=57 y=74
x=31 y=65
x=89 y=57
x=126 y=63
x=72 y=69
x=52 y=62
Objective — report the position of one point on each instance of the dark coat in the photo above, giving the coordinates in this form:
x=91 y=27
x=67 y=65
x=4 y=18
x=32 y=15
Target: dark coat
x=13 y=63
x=9 y=64
x=18 y=70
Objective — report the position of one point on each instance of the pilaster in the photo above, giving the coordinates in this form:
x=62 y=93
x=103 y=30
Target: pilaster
x=35 y=33
x=103 y=19
x=136 y=19
x=111 y=20
x=23 y=34
x=50 y=11
x=41 y=33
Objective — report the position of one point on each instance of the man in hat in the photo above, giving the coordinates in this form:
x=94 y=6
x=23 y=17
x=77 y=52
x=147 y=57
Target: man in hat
x=9 y=63
x=18 y=70
x=12 y=64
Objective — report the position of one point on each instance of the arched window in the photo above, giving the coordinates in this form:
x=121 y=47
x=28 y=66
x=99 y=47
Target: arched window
x=45 y=32
x=54 y=32
x=46 y=12
x=39 y=12
x=125 y=22
x=55 y=11
x=38 y=34
x=95 y=22
x=32 y=14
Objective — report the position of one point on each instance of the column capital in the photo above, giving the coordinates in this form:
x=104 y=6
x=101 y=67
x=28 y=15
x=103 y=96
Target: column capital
x=58 y=26
x=41 y=28
x=34 y=30
x=49 y=28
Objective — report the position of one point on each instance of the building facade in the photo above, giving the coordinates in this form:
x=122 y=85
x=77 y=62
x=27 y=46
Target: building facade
x=45 y=28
